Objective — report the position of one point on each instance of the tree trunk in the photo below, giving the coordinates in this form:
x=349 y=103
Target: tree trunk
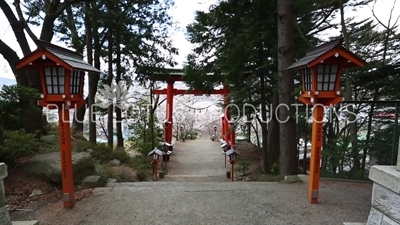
x=93 y=78
x=118 y=112
x=151 y=119
x=273 y=145
x=348 y=95
x=287 y=129
x=110 y=116
x=78 y=120
x=255 y=128
x=264 y=127
x=248 y=126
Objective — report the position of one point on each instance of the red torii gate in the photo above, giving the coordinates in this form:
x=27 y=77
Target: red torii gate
x=173 y=75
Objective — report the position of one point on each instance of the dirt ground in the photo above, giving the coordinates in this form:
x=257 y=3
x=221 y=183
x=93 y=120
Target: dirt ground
x=19 y=186
x=254 y=155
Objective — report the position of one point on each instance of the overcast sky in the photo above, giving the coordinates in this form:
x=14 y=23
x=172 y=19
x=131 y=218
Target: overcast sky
x=183 y=14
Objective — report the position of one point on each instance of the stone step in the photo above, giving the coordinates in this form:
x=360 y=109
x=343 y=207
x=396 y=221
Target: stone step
x=31 y=222
x=351 y=223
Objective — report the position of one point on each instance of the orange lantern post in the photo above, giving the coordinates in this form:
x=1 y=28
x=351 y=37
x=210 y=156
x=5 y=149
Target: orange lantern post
x=321 y=72
x=62 y=74
x=155 y=154
x=232 y=154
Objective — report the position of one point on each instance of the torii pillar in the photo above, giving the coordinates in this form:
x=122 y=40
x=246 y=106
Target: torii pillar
x=170 y=97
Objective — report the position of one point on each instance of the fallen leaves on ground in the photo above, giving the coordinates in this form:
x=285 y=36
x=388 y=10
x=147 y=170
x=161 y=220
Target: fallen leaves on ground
x=19 y=185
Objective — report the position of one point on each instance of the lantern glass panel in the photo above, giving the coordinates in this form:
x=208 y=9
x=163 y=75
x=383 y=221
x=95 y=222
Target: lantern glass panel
x=155 y=156
x=326 y=77
x=54 y=79
x=307 y=79
x=75 y=82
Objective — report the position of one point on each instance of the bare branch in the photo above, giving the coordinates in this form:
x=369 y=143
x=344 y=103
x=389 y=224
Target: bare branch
x=387 y=27
x=16 y=26
x=23 y=21
x=64 y=5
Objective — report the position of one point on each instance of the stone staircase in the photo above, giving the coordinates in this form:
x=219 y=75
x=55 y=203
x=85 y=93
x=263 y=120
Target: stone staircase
x=4 y=216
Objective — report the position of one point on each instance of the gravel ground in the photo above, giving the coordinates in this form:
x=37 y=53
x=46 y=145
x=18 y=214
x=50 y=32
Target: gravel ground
x=213 y=200
x=215 y=203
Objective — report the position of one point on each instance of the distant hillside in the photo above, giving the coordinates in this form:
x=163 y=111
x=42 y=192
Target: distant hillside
x=7 y=81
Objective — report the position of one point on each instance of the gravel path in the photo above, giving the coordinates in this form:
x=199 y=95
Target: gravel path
x=213 y=200
x=215 y=203
x=197 y=160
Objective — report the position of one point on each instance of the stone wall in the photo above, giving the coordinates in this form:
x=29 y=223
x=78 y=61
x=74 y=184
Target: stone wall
x=385 y=205
x=4 y=217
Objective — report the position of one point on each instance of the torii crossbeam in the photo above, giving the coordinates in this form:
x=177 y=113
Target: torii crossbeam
x=171 y=76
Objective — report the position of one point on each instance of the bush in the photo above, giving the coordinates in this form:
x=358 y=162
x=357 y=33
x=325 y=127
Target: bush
x=110 y=171
x=274 y=169
x=139 y=163
x=121 y=155
x=17 y=144
x=100 y=151
x=243 y=165
x=142 y=175
x=125 y=174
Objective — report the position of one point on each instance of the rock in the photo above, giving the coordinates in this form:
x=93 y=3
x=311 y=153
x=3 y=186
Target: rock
x=346 y=223
x=101 y=171
x=115 y=162
x=94 y=181
x=31 y=222
x=246 y=179
x=4 y=216
x=89 y=150
x=36 y=192
x=48 y=166
x=292 y=179
x=48 y=138
x=112 y=180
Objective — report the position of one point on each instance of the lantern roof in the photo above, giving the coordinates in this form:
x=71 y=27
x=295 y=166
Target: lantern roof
x=325 y=51
x=64 y=57
x=232 y=151
x=155 y=151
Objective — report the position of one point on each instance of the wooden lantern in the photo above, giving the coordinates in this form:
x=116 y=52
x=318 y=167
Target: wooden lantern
x=62 y=73
x=62 y=76
x=322 y=69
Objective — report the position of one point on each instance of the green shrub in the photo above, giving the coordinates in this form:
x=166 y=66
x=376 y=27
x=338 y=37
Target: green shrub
x=100 y=151
x=142 y=175
x=274 y=169
x=17 y=144
x=121 y=155
x=125 y=174
x=139 y=163
x=110 y=171
x=52 y=128
x=243 y=165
